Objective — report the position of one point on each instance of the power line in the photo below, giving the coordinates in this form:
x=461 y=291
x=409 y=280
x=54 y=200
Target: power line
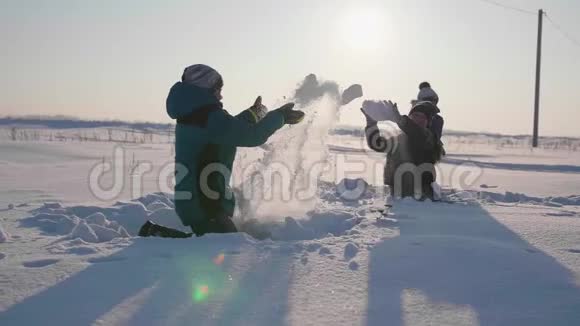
x=499 y=4
x=563 y=32
x=557 y=26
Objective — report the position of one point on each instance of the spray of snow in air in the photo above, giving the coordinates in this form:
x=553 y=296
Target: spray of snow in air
x=298 y=155
x=311 y=90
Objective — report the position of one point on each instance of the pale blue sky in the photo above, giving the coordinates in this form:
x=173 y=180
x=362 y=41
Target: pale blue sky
x=117 y=59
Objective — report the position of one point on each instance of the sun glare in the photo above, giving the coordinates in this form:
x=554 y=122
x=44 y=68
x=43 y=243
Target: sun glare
x=362 y=29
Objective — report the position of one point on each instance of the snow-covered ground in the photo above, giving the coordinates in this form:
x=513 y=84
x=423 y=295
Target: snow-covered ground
x=504 y=250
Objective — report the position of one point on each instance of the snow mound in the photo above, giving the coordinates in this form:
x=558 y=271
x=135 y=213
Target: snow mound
x=97 y=218
x=167 y=217
x=348 y=191
x=84 y=232
x=85 y=211
x=130 y=215
x=104 y=234
x=134 y=209
x=123 y=232
x=514 y=197
x=156 y=206
x=94 y=228
x=59 y=224
x=103 y=224
x=316 y=225
x=157 y=197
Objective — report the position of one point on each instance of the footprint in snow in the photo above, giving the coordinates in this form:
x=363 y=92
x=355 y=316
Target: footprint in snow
x=324 y=251
x=2 y=256
x=386 y=222
x=350 y=250
x=353 y=265
x=40 y=263
x=312 y=247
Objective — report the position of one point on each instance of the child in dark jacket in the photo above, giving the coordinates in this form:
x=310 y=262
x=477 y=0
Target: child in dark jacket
x=411 y=155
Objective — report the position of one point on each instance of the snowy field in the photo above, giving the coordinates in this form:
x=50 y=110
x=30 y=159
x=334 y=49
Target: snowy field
x=504 y=249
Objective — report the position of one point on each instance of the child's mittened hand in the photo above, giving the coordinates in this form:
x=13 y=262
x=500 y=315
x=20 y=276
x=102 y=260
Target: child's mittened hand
x=396 y=116
x=370 y=121
x=291 y=117
x=258 y=109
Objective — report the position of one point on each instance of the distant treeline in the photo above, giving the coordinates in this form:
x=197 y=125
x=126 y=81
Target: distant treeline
x=360 y=132
x=57 y=123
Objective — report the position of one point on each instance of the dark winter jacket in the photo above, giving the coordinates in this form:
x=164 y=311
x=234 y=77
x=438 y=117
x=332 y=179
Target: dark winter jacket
x=206 y=137
x=413 y=152
x=436 y=126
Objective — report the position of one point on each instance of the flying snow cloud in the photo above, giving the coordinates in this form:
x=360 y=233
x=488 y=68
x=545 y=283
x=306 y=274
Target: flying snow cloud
x=298 y=155
x=311 y=89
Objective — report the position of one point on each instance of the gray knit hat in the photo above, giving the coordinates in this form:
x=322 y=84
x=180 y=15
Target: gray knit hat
x=426 y=93
x=202 y=76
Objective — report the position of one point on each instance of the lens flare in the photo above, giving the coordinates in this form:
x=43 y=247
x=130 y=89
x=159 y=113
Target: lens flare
x=208 y=277
x=219 y=259
x=200 y=293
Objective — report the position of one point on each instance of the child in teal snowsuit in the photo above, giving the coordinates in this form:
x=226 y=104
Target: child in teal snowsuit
x=206 y=138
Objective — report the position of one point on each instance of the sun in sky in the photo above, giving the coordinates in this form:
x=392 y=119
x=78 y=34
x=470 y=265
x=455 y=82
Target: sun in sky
x=362 y=28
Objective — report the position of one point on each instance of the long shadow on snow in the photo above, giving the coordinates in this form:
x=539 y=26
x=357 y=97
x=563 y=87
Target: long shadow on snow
x=257 y=297
x=155 y=285
x=463 y=256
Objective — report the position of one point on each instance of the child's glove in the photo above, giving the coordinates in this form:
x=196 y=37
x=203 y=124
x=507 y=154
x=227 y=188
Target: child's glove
x=370 y=121
x=258 y=110
x=291 y=117
x=380 y=111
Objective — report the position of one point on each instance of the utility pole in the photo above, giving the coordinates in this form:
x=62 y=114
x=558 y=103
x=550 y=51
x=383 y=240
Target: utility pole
x=538 y=70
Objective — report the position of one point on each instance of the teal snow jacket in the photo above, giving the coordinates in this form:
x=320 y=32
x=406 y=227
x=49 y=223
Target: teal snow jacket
x=206 y=137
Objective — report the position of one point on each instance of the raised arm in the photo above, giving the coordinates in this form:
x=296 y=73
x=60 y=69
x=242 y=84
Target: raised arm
x=375 y=140
x=229 y=130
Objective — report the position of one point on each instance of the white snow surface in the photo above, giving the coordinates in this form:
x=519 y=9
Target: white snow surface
x=4 y=236
x=503 y=249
